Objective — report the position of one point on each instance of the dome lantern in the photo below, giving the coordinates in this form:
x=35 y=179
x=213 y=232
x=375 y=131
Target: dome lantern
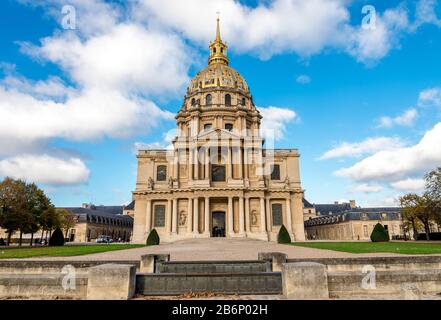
x=218 y=49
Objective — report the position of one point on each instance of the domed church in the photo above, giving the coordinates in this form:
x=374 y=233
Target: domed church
x=218 y=180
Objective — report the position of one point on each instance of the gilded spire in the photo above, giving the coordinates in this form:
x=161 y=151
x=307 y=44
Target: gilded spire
x=218 y=49
x=218 y=37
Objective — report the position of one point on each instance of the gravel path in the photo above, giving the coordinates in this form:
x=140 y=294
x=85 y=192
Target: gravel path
x=217 y=249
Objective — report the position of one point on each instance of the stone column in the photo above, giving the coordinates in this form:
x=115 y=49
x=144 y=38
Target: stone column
x=207 y=163
x=190 y=164
x=175 y=216
x=148 y=218
x=247 y=215
x=245 y=163
x=176 y=164
x=230 y=217
x=196 y=163
x=189 y=216
x=207 y=216
x=268 y=215
x=240 y=162
x=196 y=216
x=229 y=165
x=169 y=215
x=297 y=217
x=288 y=215
x=241 y=217
x=262 y=215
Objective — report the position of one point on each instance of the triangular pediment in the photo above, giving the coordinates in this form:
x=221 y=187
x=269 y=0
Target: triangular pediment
x=215 y=134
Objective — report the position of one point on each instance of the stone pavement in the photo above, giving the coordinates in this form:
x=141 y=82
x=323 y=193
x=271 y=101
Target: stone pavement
x=217 y=249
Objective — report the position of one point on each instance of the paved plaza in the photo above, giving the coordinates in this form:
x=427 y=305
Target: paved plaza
x=217 y=249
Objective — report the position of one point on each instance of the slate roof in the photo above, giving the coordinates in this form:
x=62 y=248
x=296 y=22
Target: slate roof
x=307 y=204
x=326 y=209
x=108 y=212
x=130 y=206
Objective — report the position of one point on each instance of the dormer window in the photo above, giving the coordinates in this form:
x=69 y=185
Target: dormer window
x=227 y=100
x=244 y=101
x=193 y=101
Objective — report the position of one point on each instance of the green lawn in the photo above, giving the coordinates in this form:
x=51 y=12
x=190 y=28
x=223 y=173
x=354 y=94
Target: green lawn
x=371 y=247
x=65 y=251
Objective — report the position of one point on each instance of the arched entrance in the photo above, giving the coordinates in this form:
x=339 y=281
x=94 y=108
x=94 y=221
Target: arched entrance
x=218 y=224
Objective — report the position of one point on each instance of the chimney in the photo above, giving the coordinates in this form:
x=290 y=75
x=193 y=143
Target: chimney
x=335 y=202
x=352 y=204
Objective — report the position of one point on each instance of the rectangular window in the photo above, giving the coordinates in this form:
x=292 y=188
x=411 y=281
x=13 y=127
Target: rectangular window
x=277 y=214
x=228 y=126
x=365 y=231
x=159 y=219
x=275 y=172
x=161 y=173
x=207 y=126
x=217 y=172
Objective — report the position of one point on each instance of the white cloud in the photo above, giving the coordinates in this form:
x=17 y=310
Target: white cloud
x=275 y=120
x=368 y=146
x=430 y=97
x=367 y=188
x=399 y=163
x=45 y=169
x=303 y=79
x=409 y=185
x=406 y=119
x=369 y=45
x=425 y=13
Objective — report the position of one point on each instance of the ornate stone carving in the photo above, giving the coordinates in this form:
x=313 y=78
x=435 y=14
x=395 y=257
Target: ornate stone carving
x=254 y=218
x=151 y=183
x=182 y=218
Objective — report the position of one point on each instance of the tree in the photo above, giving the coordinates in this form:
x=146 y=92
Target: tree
x=153 y=238
x=67 y=220
x=433 y=184
x=49 y=220
x=283 y=236
x=57 y=238
x=12 y=205
x=379 y=234
x=412 y=206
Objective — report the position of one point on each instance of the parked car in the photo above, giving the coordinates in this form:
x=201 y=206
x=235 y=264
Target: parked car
x=104 y=239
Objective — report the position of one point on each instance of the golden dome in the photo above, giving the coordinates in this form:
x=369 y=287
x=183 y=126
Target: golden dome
x=218 y=73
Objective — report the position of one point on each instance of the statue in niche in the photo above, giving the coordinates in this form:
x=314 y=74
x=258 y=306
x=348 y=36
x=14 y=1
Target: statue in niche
x=151 y=183
x=253 y=218
x=287 y=183
x=182 y=218
x=170 y=182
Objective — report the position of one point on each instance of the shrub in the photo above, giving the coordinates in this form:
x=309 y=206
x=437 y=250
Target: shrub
x=379 y=234
x=283 y=236
x=57 y=238
x=153 y=238
x=2 y=242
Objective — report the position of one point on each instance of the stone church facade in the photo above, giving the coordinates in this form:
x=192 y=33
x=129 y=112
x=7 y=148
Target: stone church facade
x=218 y=180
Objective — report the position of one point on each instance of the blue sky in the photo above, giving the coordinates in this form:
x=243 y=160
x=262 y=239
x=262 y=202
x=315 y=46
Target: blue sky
x=362 y=105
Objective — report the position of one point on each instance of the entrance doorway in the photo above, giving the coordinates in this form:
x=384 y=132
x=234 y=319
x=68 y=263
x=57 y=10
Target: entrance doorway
x=218 y=224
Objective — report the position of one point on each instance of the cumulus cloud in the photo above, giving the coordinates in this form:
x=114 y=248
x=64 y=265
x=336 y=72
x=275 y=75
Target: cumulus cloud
x=430 y=97
x=406 y=119
x=275 y=120
x=303 y=79
x=367 y=188
x=409 y=185
x=358 y=149
x=399 y=163
x=45 y=169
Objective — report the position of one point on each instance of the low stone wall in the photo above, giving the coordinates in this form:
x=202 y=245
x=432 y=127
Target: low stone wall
x=48 y=266
x=41 y=286
x=379 y=263
x=403 y=284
